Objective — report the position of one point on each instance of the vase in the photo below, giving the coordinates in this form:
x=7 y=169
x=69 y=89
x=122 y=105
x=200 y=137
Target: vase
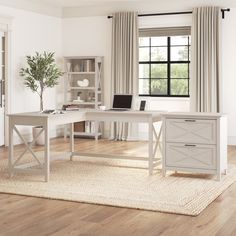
x=76 y=68
x=68 y=66
x=40 y=140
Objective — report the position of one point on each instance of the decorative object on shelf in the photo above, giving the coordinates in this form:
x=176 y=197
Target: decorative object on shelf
x=41 y=73
x=89 y=67
x=83 y=83
x=77 y=68
x=89 y=98
x=78 y=96
x=68 y=67
x=102 y=108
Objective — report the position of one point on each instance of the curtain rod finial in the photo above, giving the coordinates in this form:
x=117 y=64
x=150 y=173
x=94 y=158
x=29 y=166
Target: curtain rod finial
x=223 y=12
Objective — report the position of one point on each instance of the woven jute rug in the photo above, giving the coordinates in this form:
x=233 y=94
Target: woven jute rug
x=115 y=183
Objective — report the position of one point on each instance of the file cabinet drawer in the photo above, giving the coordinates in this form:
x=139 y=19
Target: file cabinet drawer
x=191 y=131
x=191 y=155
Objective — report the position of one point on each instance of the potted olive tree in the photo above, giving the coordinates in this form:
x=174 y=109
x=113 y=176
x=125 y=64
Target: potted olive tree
x=40 y=73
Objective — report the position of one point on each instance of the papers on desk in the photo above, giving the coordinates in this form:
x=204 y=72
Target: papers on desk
x=53 y=112
x=70 y=107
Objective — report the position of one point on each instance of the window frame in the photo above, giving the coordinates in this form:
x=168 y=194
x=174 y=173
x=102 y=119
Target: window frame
x=168 y=62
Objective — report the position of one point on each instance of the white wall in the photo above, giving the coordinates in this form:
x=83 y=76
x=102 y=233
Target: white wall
x=30 y=32
x=228 y=72
x=89 y=36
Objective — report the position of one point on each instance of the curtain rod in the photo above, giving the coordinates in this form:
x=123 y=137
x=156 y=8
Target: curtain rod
x=175 y=13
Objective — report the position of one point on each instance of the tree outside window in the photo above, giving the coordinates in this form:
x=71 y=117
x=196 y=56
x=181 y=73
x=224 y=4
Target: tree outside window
x=164 y=66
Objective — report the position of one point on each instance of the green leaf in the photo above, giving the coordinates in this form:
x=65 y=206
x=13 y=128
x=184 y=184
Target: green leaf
x=41 y=72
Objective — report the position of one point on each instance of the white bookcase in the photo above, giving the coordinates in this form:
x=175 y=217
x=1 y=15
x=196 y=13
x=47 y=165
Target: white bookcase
x=83 y=88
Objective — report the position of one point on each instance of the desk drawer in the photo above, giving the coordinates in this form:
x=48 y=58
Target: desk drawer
x=191 y=131
x=191 y=156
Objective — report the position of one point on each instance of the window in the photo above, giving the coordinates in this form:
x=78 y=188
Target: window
x=164 y=63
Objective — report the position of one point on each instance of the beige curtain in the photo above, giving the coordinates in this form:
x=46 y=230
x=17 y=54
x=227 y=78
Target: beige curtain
x=124 y=62
x=205 y=61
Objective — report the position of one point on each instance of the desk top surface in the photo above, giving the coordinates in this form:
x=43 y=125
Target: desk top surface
x=192 y=115
x=87 y=111
x=118 y=113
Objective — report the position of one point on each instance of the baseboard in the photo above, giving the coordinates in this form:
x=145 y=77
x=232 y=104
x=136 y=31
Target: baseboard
x=141 y=136
x=137 y=138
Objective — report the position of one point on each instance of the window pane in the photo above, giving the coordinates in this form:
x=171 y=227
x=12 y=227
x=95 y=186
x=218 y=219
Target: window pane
x=144 y=86
x=143 y=71
x=179 y=53
x=179 y=40
x=144 y=54
x=159 y=86
x=144 y=41
x=179 y=86
x=159 y=70
x=159 y=54
x=179 y=70
x=160 y=74
x=159 y=41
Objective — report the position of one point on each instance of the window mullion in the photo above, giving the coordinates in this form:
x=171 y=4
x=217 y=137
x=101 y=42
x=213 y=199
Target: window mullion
x=153 y=68
x=188 y=66
x=168 y=66
x=150 y=71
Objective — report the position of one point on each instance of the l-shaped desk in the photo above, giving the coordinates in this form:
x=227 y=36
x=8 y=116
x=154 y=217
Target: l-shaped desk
x=70 y=117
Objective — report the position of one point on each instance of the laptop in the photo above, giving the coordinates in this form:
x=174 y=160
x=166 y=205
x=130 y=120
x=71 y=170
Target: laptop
x=122 y=102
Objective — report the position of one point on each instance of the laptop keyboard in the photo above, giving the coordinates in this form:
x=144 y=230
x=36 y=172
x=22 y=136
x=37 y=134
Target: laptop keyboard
x=118 y=109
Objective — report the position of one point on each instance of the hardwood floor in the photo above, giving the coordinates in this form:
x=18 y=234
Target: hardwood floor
x=28 y=216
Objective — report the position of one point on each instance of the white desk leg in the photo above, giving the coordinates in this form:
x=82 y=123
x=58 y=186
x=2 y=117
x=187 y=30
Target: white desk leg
x=72 y=141
x=47 y=151
x=96 y=129
x=150 y=146
x=65 y=132
x=11 y=148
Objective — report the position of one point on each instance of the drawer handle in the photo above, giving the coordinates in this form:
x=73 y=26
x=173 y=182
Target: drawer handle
x=190 y=145
x=190 y=120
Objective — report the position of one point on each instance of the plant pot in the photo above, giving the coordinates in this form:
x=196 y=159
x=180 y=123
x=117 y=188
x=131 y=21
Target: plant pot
x=40 y=140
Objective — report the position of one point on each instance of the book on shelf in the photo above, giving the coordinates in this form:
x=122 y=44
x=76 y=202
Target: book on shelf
x=87 y=127
x=92 y=127
x=70 y=107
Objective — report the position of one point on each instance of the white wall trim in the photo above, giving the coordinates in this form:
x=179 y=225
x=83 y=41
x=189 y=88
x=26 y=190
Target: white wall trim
x=6 y=27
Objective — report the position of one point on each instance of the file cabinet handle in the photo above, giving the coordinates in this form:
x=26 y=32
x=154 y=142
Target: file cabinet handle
x=190 y=145
x=190 y=120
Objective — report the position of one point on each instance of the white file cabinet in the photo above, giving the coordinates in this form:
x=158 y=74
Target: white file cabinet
x=195 y=142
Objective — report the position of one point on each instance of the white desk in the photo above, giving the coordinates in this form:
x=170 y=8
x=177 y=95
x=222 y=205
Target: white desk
x=46 y=120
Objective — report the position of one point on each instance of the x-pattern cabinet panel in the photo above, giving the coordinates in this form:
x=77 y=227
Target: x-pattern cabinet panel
x=195 y=142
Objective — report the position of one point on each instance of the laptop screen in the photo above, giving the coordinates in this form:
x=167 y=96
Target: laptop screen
x=122 y=101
